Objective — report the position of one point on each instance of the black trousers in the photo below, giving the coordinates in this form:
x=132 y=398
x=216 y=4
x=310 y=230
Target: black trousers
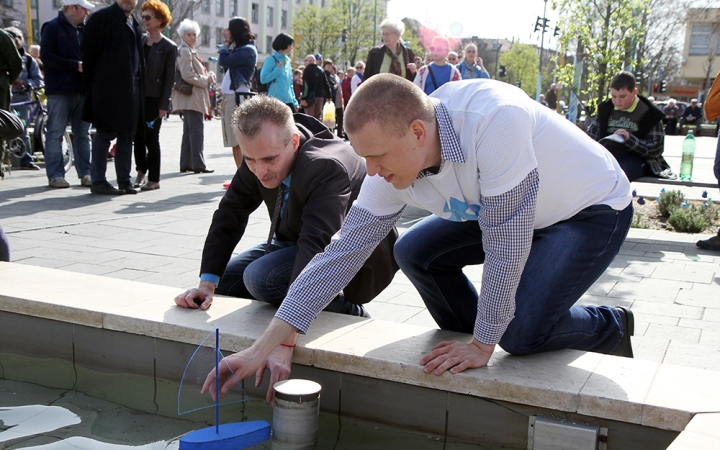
x=147 y=141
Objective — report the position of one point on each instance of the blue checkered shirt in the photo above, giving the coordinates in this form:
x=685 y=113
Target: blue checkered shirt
x=506 y=222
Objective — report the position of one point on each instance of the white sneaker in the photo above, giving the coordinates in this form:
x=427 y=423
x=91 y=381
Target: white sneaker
x=86 y=181
x=58 y=183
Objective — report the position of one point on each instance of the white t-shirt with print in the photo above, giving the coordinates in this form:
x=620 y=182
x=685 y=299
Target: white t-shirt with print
x=504 y=135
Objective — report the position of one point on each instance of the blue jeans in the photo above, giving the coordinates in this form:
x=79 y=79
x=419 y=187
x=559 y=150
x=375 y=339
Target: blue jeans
x=716 y=166
x=24 y=113
x=253 y=274
x=64 y=108
x=565 y=260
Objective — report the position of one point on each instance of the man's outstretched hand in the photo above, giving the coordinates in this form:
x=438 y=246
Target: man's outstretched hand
x=457 y=356
x=279 y=362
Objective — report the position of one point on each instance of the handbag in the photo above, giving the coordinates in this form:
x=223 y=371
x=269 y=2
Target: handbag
x=181 y=85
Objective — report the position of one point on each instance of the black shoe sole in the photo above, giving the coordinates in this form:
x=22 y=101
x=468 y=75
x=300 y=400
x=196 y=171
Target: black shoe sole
x=625 y=348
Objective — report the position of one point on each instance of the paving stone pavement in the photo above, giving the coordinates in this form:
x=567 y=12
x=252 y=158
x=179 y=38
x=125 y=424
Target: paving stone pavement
x=157 y=237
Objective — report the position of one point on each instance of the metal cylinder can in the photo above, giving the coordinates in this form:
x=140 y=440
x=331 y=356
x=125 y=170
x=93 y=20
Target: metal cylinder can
x=296 y=415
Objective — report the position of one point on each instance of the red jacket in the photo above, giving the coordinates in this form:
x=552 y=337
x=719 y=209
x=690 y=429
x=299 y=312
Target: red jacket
x=346 y=90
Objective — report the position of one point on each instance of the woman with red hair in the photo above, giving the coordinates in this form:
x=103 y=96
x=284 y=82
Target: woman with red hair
x=160 y=54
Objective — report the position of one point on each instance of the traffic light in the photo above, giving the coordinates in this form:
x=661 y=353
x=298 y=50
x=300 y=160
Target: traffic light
x=344 y=35
x=638 y=78
x=538 y=24
x=557 y=31
x=663 y=85
x=503 y=71
x=656 y=88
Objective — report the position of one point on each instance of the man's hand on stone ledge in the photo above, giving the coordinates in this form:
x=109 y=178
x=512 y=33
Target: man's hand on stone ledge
x=202 y=297
x=457 y=356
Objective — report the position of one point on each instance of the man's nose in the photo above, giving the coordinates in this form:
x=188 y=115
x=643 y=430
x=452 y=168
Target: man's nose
x=372 y=168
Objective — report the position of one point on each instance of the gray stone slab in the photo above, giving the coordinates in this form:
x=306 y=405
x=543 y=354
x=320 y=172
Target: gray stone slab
x=674 y=333
x=699 y=356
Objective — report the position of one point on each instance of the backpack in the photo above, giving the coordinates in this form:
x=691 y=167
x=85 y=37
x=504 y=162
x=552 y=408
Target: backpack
x=264 y=88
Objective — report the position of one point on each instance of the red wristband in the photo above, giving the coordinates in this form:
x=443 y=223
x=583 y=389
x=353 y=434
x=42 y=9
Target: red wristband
x=288 y=345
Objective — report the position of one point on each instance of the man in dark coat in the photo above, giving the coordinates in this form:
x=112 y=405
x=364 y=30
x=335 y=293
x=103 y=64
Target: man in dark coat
x=113 y=67
x=308 y=178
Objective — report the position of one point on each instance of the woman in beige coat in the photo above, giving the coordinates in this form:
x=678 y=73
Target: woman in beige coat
x=195 y=105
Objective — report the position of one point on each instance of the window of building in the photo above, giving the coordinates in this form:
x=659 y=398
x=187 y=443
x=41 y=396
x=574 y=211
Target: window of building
x=255 y=17
x=270 y=16
x=297 y=2
x=205 y=35
x=283 y=19
x=322 y=3
x=33 y=3
x=700 y=39
x=220 y=8
x=233 y=8
x=206 y=6
x=8 y=3
x=268 y=44
x=219 y=40
x=311 y=2
x=57 y=3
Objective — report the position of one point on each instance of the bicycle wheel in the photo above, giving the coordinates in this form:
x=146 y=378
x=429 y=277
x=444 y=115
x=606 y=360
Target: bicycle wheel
x=39 y=131
x=67 y=151
x=16 y=147
x=40 y=140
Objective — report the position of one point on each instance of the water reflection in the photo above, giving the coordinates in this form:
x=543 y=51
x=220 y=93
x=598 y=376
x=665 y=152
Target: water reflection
x=23 y=421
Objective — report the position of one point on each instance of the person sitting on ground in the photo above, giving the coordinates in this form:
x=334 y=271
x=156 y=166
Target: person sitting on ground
x=692 y=116
x=473 y=154
x=638 y=142
x=472 y=66
x=671 y=112
x=308 y=178
x=438 y=72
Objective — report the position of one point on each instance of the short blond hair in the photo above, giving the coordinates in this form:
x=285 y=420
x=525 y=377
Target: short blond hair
x=402 y=103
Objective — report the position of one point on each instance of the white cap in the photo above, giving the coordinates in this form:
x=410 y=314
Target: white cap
x=83 y=3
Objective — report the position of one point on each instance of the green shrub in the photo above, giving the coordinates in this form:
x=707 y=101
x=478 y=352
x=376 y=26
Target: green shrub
x=693 y=219
x=639 y=222
x=667 y=201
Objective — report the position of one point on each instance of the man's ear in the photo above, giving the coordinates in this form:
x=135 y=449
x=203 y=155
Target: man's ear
x=296 y=141
x=419 y=131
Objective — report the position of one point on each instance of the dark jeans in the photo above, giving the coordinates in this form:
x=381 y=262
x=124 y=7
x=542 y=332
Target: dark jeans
x=564 y=261
x=148 y=137
x=253 y=274
x=632 y=164
x=339 y=115
x=123 y=150
x=670 y=127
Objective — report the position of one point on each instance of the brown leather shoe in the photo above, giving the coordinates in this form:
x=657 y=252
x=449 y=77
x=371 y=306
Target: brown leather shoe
x=625 y=349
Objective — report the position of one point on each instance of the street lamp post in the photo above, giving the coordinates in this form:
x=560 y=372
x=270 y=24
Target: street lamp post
x=542 y=44
x=192 y=8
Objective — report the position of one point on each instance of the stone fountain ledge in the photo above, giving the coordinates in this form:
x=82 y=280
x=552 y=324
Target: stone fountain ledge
x=625 y=390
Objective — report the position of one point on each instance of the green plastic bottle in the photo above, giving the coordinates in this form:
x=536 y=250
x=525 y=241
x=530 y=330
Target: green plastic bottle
x=688 y=154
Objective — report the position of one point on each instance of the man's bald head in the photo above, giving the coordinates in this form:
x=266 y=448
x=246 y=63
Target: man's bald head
x=390 y=101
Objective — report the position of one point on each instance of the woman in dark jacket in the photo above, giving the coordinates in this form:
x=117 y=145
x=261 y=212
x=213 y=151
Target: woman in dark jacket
x=392 y=56
x=238 y=59
x=160 y=54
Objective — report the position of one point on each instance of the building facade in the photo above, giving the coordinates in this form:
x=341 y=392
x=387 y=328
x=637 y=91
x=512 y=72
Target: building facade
x=701 y=52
